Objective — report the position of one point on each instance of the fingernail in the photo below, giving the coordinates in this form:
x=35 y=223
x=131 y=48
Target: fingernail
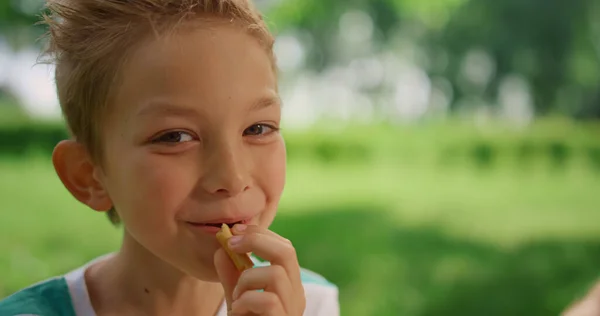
x=240 y=227
x=235 y=240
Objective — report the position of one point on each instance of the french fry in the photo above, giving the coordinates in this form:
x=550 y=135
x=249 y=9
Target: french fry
x=241 y=261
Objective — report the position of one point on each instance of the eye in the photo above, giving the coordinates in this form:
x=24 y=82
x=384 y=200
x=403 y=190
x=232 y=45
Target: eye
x=259 y=129
x=174 y=137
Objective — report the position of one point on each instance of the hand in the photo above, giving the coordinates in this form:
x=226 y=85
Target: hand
x=588 y=306
x=283 y=293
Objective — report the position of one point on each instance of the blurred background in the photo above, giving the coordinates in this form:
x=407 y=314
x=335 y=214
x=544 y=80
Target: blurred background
x=444 y=155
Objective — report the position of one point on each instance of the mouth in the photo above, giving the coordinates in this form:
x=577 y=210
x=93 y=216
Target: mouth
x=218 y=225
x=214 y=226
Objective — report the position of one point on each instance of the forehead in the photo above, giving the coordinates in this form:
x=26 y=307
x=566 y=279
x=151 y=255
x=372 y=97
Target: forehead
x=210 y=65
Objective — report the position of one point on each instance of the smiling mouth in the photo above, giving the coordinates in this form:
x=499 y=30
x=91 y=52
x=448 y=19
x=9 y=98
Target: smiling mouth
x=218 y=224
x=221 y=224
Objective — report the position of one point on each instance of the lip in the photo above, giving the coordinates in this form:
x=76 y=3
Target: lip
x=205 y=226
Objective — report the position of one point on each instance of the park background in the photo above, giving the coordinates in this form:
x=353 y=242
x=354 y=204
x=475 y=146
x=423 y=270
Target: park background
x=444 y=155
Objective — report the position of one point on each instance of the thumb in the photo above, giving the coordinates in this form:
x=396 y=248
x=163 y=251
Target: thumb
x=228 y=274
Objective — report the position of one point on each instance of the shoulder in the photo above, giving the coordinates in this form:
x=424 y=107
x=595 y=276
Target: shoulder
x=47 y=298
x=321 y=294
x=313 y=279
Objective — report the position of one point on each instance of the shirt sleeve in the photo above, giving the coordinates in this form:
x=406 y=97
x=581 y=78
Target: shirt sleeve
x=321 y=300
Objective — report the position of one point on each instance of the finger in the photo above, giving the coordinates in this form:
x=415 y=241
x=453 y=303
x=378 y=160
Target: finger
x=241 y=229
x=589 y=305
x=275 y=249
x=272 y=279
x=228 y=274
x=261 y=303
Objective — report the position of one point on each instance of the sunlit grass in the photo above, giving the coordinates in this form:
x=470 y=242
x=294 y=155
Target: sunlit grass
x=410 y=238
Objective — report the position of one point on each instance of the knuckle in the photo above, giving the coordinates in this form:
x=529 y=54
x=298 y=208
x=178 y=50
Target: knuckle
x=289 y=251
x=287 y=241
x=252 y=229
x=302 y=292
x=245 y=276
x=278 y=272
x=302 y=304
x=271 y=301
x=251 y=238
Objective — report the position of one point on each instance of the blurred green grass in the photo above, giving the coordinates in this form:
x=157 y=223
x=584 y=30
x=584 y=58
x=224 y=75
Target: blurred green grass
x=401 y=235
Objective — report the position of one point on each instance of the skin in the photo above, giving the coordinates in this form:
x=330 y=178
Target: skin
x=192 y=137
x=587 y=306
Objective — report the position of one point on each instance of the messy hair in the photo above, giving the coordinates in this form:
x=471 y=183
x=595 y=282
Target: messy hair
x=90 y=41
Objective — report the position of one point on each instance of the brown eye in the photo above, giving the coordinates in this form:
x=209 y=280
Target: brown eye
x=258 y=129
x=174 y=137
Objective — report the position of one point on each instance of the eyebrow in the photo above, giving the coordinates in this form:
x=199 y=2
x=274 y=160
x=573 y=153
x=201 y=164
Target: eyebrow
x=265 y=102
x=169 y=108
x=166 y=108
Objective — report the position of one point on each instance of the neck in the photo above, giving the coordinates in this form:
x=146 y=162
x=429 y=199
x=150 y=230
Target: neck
x=137 y=281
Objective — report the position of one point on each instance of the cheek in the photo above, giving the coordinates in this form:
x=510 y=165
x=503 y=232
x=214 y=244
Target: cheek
x=271 y=178
x=278 y=170
x=272 y=171
x=151 y=188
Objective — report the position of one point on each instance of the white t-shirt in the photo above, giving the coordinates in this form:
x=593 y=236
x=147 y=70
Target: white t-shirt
x=68 y=296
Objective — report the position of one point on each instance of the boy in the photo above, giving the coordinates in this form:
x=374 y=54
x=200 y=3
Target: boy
x=174 y=110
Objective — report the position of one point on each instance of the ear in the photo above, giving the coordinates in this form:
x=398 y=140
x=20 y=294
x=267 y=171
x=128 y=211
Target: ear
x=80 y=175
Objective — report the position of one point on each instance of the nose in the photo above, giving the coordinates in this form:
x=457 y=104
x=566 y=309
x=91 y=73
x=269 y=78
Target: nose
x=225 y=170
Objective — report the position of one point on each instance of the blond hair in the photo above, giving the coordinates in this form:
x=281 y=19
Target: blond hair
x=89 y=41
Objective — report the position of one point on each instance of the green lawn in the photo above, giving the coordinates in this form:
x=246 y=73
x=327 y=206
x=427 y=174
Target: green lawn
x=409 y=239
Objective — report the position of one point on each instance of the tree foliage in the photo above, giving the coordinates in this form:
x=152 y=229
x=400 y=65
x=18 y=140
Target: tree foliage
x=553 y=44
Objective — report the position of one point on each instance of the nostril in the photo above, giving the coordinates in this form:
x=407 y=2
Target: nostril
x=232 y=188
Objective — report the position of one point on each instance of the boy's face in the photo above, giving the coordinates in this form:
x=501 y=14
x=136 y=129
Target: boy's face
x=192 y=139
